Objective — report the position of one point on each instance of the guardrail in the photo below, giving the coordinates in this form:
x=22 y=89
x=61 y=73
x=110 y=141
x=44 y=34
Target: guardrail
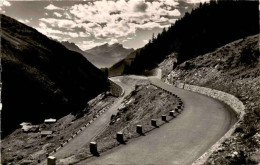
x=227 y=98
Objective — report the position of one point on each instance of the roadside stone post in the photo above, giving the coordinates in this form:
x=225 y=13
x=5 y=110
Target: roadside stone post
x=93 y=148
x=171 y=113
x=120 y=137
x=51 y=160
x=153 y=122
x=163 y=117
x=139 y=129
x=177 y=110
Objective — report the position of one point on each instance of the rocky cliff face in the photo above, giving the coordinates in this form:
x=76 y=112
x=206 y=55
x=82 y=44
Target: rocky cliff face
x=41 y=78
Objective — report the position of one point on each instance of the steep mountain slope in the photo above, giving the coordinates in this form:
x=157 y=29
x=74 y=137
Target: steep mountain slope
x=235 y=69
x=72 y=46
x=122 y=65
x=41 y=78
x=90 y=57
x=107 y=54
x=206 y=28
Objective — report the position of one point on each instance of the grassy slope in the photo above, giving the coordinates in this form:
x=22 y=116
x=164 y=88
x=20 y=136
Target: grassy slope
x=235 y=69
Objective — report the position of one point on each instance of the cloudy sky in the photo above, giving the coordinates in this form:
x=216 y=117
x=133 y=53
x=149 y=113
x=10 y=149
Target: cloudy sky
x=92 y=23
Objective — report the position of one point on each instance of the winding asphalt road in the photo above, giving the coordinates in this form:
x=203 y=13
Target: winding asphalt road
x=85 y=136
x=202 y=122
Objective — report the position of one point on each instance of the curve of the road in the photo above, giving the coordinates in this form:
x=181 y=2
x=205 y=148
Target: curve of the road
x=85 y=137
x=203 y=121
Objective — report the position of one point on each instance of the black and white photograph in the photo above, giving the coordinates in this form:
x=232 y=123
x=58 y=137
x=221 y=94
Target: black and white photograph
x=129 y=82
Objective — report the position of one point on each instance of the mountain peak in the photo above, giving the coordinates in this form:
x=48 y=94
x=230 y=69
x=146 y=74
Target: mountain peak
x=115 y=44
x=109 y=54
x=71 y=46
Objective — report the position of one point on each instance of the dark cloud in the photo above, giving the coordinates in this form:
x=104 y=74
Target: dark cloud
x=115 y=12
x=141 y=7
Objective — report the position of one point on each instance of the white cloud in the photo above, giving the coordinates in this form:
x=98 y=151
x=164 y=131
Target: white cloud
x=61 y=23
x=112 y=41
x=58 y=34
x=122 y=18
x=57 y=14
x=5 y=3
x=105 y=20
x=52 y=7
x=145 y=41
x=150 y=26
x=86 y=34
x=48 y=31
x=172 y=21
x=54 y=34
x=85 y=45
x=56 y=37
x=25 y=21
x=197 y=1
x=65 y=39
x=170 y=2
x=163 y=19
x=174 y=12
x=42 y=25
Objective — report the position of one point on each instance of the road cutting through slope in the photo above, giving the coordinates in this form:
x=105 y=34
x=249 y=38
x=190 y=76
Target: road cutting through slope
x=203 y=121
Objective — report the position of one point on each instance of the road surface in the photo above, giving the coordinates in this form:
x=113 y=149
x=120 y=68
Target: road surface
x=184 y=139
x=93 y=129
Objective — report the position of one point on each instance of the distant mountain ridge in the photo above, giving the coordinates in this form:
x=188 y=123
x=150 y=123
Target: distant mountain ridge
x=109 y=54
x=114 y=50
x=72 y=46
x=41 y=78
x=101 y=56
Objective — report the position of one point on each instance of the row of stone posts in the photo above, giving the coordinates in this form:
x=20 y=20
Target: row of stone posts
x=119 y=136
